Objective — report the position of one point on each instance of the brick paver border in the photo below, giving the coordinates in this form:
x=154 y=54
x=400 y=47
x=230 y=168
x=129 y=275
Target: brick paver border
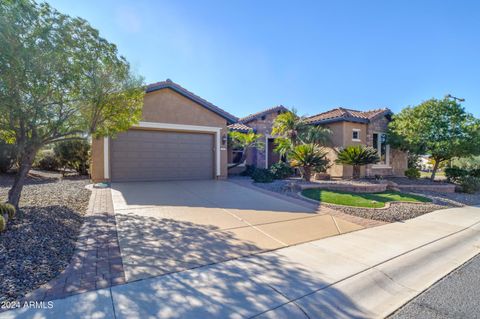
x=97 y=262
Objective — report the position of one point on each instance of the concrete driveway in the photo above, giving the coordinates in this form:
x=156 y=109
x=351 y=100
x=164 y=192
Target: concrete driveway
x=166 y=227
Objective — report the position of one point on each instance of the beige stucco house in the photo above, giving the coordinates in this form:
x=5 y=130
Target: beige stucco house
x=348 y=127
x=182 y=136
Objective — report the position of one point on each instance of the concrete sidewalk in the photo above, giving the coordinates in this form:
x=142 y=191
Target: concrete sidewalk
x=365 y=274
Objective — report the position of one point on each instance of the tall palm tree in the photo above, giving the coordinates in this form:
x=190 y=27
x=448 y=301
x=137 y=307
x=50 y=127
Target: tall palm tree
x=308 y=158
x=289 y=125
x=357 y=156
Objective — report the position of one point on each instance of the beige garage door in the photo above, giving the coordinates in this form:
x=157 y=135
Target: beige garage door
x=157 y=155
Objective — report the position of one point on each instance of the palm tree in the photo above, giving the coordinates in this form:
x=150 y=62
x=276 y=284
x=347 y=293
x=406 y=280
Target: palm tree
x=315 y=134
x=289 y=125
x=244 y=141
x=308 y=158
x=357 y=156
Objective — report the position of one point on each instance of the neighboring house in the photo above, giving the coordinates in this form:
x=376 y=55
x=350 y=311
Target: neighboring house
x=180 y=136
x=261 y=123
x=351 y=127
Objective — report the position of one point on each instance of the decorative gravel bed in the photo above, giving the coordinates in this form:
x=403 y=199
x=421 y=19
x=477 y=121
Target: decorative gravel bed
x=396 y=211
x=40 y=240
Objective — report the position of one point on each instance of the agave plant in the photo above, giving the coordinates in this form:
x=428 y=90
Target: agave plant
x=357 y=156
x=308 y=158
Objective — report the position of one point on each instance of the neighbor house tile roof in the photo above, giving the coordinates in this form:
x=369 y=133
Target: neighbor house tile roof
x=239 y=127
x=343 y=114
x=254 y=116
x=181 y=90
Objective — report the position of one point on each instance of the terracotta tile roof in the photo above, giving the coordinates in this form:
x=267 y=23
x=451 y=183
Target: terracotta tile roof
x=240 y=127
x=254 y=116
x=343 y=114
x=179 y=89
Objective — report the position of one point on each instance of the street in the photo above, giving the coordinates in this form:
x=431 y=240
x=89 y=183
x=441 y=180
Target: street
x=455 y=296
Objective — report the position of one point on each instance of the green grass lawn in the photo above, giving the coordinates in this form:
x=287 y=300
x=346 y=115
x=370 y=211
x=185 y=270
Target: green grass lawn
x=372 y=200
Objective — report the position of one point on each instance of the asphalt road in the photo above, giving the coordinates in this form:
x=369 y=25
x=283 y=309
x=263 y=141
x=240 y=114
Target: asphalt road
x=455 y=296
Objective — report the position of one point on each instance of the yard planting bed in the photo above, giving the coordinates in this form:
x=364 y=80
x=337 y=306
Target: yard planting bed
x=369 y=200
x=40 y=240
x=395 y=212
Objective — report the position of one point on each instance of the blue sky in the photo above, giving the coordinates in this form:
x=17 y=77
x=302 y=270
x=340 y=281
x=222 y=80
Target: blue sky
x=245 y=56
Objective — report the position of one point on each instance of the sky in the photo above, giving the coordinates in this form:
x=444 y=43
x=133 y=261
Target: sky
x=245 y=56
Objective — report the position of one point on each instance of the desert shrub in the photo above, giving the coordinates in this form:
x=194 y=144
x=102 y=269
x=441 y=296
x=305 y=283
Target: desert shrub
x=2 y=223
x=8 y=155
x=281 y=170
x=249 y=169
x=412 y=173
x=7 y=209
x=455 y=173
x=73 y=154
x=469 y=184
x=262 y=175
x=46 y=160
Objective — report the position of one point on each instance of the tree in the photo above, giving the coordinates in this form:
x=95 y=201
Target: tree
x=292 y=130
x=440 y=128
x=357 y=156
x=308 y=158
x=58 y=80
x=244 y=141
x=289 y=125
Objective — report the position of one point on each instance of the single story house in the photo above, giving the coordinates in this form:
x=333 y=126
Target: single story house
x=182 y=136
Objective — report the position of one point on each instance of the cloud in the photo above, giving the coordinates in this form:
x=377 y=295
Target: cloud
x=128 y=19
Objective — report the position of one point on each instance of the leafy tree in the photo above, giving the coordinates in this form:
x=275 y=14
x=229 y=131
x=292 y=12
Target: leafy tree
x=58 y=79
x=357 y=156
x=308 y=158
x=244 y=141
x=441 y=128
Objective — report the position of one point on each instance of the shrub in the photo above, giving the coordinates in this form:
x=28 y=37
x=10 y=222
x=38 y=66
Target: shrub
x=357 y=156
x=47 y=161
x=7 y=209
x=8 y=155
x=73 y=154
x=262 y=175
x=281 y=170
x=309 y=158
x=475 y=172
x=469 y=184
x=2 y=224
x=412 y=173
x=455 y=173
x=249 y=169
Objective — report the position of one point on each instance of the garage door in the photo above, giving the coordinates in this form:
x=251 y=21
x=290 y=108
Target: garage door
x=157 y=155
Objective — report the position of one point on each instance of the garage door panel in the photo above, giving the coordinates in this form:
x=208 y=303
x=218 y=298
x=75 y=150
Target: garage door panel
x=156 y=155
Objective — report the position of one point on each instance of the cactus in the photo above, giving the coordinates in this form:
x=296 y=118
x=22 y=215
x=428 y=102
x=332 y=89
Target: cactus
x=7 y=209
x=2 y=224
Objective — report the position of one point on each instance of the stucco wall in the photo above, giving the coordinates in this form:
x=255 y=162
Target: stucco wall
x=264 y=127
x=168 y=106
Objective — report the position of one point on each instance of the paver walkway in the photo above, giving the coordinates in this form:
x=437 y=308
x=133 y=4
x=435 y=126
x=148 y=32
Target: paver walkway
x=97 y=262
x=363 y=274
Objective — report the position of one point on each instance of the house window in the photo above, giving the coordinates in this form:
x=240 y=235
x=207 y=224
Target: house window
x=356 y=135
x=383 y=149
x=263 y=117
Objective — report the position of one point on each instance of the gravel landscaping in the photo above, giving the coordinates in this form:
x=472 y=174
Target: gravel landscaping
x=396 y=211
x=40 y=240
